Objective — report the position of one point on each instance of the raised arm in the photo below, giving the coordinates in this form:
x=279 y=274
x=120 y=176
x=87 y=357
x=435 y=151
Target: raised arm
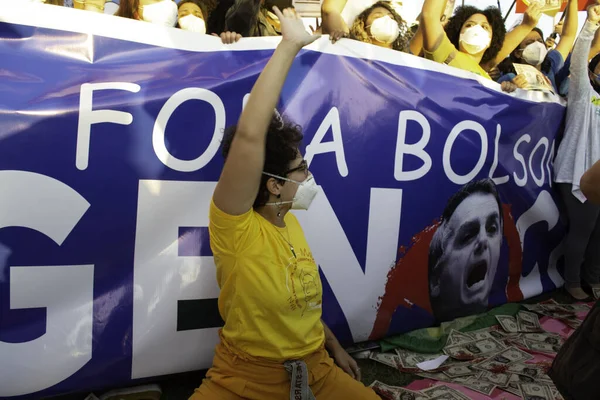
x=579 y=59
x=416 y=43
x=239 y=183
x=595 y=45
x=331 y=12
x=569 y=32
x=513 y=39
x=430 y=25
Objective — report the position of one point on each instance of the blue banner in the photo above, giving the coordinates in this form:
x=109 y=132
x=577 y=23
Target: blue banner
x=436 y=192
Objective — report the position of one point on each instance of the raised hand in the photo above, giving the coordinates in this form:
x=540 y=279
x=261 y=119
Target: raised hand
x=292 y=28
x=533 y=14
x=594 y=13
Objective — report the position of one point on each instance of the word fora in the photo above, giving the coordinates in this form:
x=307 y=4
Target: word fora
x=89 y=117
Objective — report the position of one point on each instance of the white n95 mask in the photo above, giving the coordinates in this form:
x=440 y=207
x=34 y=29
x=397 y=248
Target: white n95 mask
x=535 y=53
x=162 y=13
x=385 y=29
x=305 y=194
x=192 y=23
x=475 y=39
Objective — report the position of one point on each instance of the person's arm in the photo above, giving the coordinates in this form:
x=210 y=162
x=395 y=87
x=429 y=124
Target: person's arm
x=513 y=39
x=579 y=59
x=416 y=43
x=590 y=183
x=595 y=45
x=431 y=26
x=341 y=357
x=569 y=31
x=331 y=13
x=239 y=182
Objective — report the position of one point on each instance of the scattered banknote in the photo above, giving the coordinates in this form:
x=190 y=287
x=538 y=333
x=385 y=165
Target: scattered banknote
x=472 y=350
x=443 y=392
x=596 y=292
x=455 y=337
x=515 y=380
x=396 y=393
x=530 y=370
x=528 y=322
x=473 y=383
x=542 y=347
x=459 y=370
x=361 y=347
x=499 y=362
x=409 y=360
x=572 y=322
x=547 y=6
x=488 y=333
x=535 y=391
x=508 y=323
x=544 y=338
x=389 y=359
x=498 y=378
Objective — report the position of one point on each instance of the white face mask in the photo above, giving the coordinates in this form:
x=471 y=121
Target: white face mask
x=192 y=23
x=305 y=194
x=475 y=39
x=535 y=53
x=161 y=13
x=385 y=29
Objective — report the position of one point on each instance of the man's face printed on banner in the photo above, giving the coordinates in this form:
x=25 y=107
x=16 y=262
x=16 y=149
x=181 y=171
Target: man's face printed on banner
x=470 y=249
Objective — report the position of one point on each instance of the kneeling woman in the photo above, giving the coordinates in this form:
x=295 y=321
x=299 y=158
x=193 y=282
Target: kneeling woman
x=273 y=342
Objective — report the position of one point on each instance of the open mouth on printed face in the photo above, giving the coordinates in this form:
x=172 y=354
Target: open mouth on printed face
x=477 y=273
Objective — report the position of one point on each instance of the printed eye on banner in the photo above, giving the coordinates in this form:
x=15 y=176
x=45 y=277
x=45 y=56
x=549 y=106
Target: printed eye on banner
x=115 y=161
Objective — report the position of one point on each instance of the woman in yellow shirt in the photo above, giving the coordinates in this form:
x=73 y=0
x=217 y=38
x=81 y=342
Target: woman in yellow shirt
x=273 y=342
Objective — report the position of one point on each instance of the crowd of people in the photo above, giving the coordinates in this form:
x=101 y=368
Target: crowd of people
x=271 y=293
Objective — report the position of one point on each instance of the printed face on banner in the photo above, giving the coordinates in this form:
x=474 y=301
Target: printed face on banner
x=464 y=252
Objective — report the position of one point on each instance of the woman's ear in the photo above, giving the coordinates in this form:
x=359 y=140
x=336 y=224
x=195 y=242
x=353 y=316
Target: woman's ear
x=273 y=186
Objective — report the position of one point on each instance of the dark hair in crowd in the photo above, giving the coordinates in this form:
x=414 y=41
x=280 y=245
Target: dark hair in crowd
x=128 y=9
x=494 y=17
x=358 y=31
x=283 y=143
x=206 y=6
x=594 y=62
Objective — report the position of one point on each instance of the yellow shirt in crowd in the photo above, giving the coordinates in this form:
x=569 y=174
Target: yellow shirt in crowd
x=446 y=53
x=270 y=299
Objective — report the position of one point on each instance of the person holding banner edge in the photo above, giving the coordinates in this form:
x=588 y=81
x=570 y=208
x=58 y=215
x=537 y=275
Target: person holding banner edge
x=273 y=342
x=578 y=151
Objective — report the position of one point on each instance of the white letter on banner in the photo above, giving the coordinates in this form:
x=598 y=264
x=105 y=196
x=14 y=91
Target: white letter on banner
x=158 y=134
x=539 y=181
x=458 y=129
x=503 y=179
x=52 y=208
x=338 y=261
x=161 y=278
x=88 y=116
x=543 y=210
x=316 y=146
x=521 y=181
x=416 y=149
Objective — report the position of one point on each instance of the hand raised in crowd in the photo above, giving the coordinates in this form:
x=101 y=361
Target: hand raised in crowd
x=520 y=81
x=558 y=28
x=337 y=35
x=292 y=28
x=508 y=86
x=532 y=15
x=594 y=13
x=229 y=37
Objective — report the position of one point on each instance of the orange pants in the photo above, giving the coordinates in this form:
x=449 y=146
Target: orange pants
x=232 y=378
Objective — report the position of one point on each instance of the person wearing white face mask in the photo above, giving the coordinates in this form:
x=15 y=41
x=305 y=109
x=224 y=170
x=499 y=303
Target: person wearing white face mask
x=160 y=12
x=273 y=344
x=533 y=51
x=471 y=37
x=382 y=26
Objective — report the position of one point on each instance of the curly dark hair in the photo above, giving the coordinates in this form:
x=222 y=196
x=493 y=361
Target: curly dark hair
x=494 y=17
x=284 y=140
x=206 y=6
x=358 y=31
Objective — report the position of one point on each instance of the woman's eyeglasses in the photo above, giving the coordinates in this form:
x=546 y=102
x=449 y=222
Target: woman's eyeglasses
x=303 y=167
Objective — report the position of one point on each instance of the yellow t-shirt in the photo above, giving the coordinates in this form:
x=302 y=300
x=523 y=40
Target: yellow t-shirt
x=446 y=53
x=270 y=299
